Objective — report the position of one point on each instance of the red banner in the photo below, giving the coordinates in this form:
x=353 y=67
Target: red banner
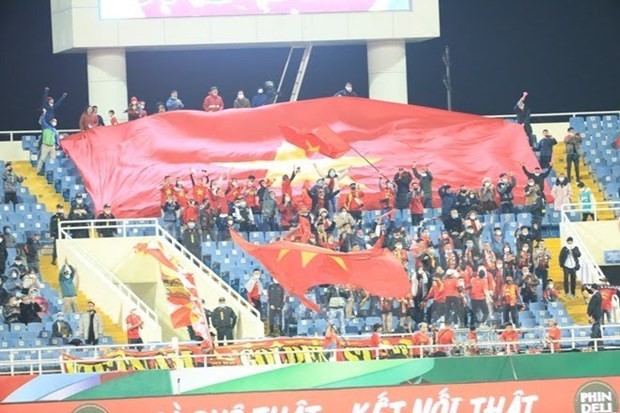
x=541 y=396
x=124 y=165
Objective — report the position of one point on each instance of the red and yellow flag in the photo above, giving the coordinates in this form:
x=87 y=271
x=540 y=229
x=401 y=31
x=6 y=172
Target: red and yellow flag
x=321 y=140
x=298 y=267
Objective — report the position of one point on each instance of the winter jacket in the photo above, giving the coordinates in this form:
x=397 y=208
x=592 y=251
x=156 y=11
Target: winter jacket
x=174 y=104
x=85 y=325
x=448 y=198
x=538 y=179
x=275 y=296
x=426 y=179
x=504 y=189
x=562 y=194
x=269 y=207
x=241 y=103
x=260 y=99
x=402 y=182
x=564 y=252
x=545 y=146
x=11 y=179
x=65 y=281
x=213 y=103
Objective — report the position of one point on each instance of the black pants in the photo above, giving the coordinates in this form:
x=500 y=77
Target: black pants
x=275 y=320
x=511 y=312
x=10 y=197
x=453 y=310
x=416 y=219
x=257 y=304
x=572 y=158
x=570 y=280
x=428 y=202
x=54 y=252
x=530 y=134
x=477 y=307
x=586 y=215
x=224 y=333
x=437 y=310
x=506 y=208
x=544 y=161
x=542 y=274
x=357 y=216
x=136 y=341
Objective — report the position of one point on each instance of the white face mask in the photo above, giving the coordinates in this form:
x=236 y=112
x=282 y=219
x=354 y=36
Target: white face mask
x=191 y=225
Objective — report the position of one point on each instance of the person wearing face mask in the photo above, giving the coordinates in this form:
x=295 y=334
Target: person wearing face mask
x=11 y=180
x=525 y=258
x=510 y=301
x=241 y=102
x=479 y=293
x=91 y=325
x=587 y=202
x=61 y=328
x=269 y=209
x=108 y=230
x=505 y=186
x=275 y=300
x=355 y=203
x=13 y=284
x=416 y=206
x=572 y=142
x=426 y=178
x=254 y=289
x=387 y=192
x=79 y=212
x=173 y=102
x=55 y=221
x=487 y=196
x=538 y=176
x=542 y=256
x=550 y=294
x=523 y=236
x=347 y=91
x=170 y=212
x=213 y=102
x=66 y=281
x=50 y=105
x=224 y=320
x=529 y=285
x=49 y=141
x=569 y=262
x=192 y=239
x=29 y=311
x=509 y=260
x=462 y=202
x=190 y=211
x=562 y=192
x=530 y=191
x=545 y=147
x=11 y=311
x=402 y=180
x=9 y=238
x=497 y=241
x=243 y=215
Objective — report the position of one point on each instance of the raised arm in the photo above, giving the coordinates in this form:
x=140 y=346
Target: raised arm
x=316 y=168
x=46 y=93
x=60 y=100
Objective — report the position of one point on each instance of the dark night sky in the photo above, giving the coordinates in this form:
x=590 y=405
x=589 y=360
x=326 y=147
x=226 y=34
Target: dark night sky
x=564 y=52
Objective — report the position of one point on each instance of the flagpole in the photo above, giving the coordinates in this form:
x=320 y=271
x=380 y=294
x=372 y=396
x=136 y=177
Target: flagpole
x=369 y=163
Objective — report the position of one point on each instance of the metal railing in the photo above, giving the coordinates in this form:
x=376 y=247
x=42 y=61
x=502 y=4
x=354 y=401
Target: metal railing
x=558 y=114
x=124 y=227
x=35 y=362
x=120 y=287
x=590 y=269
x=12 y=134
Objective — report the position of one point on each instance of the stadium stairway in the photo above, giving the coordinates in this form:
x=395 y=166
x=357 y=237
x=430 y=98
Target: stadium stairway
x=39 y=187
x=576 y=307
x=46 y=194
x=586 y=175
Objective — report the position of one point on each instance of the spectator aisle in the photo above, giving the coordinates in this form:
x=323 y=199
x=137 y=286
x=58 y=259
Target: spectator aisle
x=46 y=194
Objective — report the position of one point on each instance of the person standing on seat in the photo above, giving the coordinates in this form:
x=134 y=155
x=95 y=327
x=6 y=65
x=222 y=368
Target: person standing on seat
x=91 y=325
x=569 y=261
x=213 y=102
x=275 y=299
x=11 y=179
x=545 y=147
x=572 y=141
x=49 y=141
x=523 y=118
x=224 y=320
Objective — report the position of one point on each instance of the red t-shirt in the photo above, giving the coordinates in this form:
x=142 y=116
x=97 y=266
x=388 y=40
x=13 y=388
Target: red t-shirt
x=375 y=340
x=511 y=337
x=437 y=293
x=606 y=298
x=554 y=333
x=446 y=337
x=419 y=339
x=478 y=288
x=254 y=294
x=133 y=320
x=451 y=287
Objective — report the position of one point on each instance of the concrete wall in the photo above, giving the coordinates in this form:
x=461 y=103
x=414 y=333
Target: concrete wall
x=76 y=26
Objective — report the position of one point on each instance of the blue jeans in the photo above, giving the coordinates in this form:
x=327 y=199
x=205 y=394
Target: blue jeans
x=337 y=314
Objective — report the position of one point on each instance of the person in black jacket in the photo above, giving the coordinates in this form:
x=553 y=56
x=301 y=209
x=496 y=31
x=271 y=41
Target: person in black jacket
x=545 y=146
x=569 y=261
x=4 y=254
x=192 y=239
x=523 y=118
x=504 y=188
x=55 y=220
x=347 y=91
x=402 y=179
x=29 y=310
x=106 y=216
x=224 y=321
x=275 y=299
x=595 y=308
x=337 y=298
x=80 y=212
x=426 y=179
x=596 y=334
x=538 y=176
x=31 y=250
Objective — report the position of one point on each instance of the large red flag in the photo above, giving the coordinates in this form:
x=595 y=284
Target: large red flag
x=123 y=165
x=321 y=140
x=298 y=267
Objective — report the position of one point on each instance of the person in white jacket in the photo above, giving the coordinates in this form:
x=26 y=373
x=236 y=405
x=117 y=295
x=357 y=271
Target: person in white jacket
x=91 y=326
x=562 y=192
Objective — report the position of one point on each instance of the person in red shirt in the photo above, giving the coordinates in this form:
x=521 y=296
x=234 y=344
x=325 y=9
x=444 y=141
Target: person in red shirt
x=213 y=102
x=199 y=188
x=479 y=294
x=471 y=346
x=330 y=342
x=510 y=336
x=190 y=212
x=375 y=340
x=134 y=324
x=304 y=227
x=446 y=337
x=416 y=206
x=554 y=335
x=419 y=339
x=180 y=192
x=607 y=295
x=288 y=211
x=550 y=294
x=113 y=118
x=453 y=309
x=254 y=289
x=354 y=202
x=387 y=192
x=438 y=295
x=166 y=189
x=510 y=297
x=286 y=184
x=89 y=119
